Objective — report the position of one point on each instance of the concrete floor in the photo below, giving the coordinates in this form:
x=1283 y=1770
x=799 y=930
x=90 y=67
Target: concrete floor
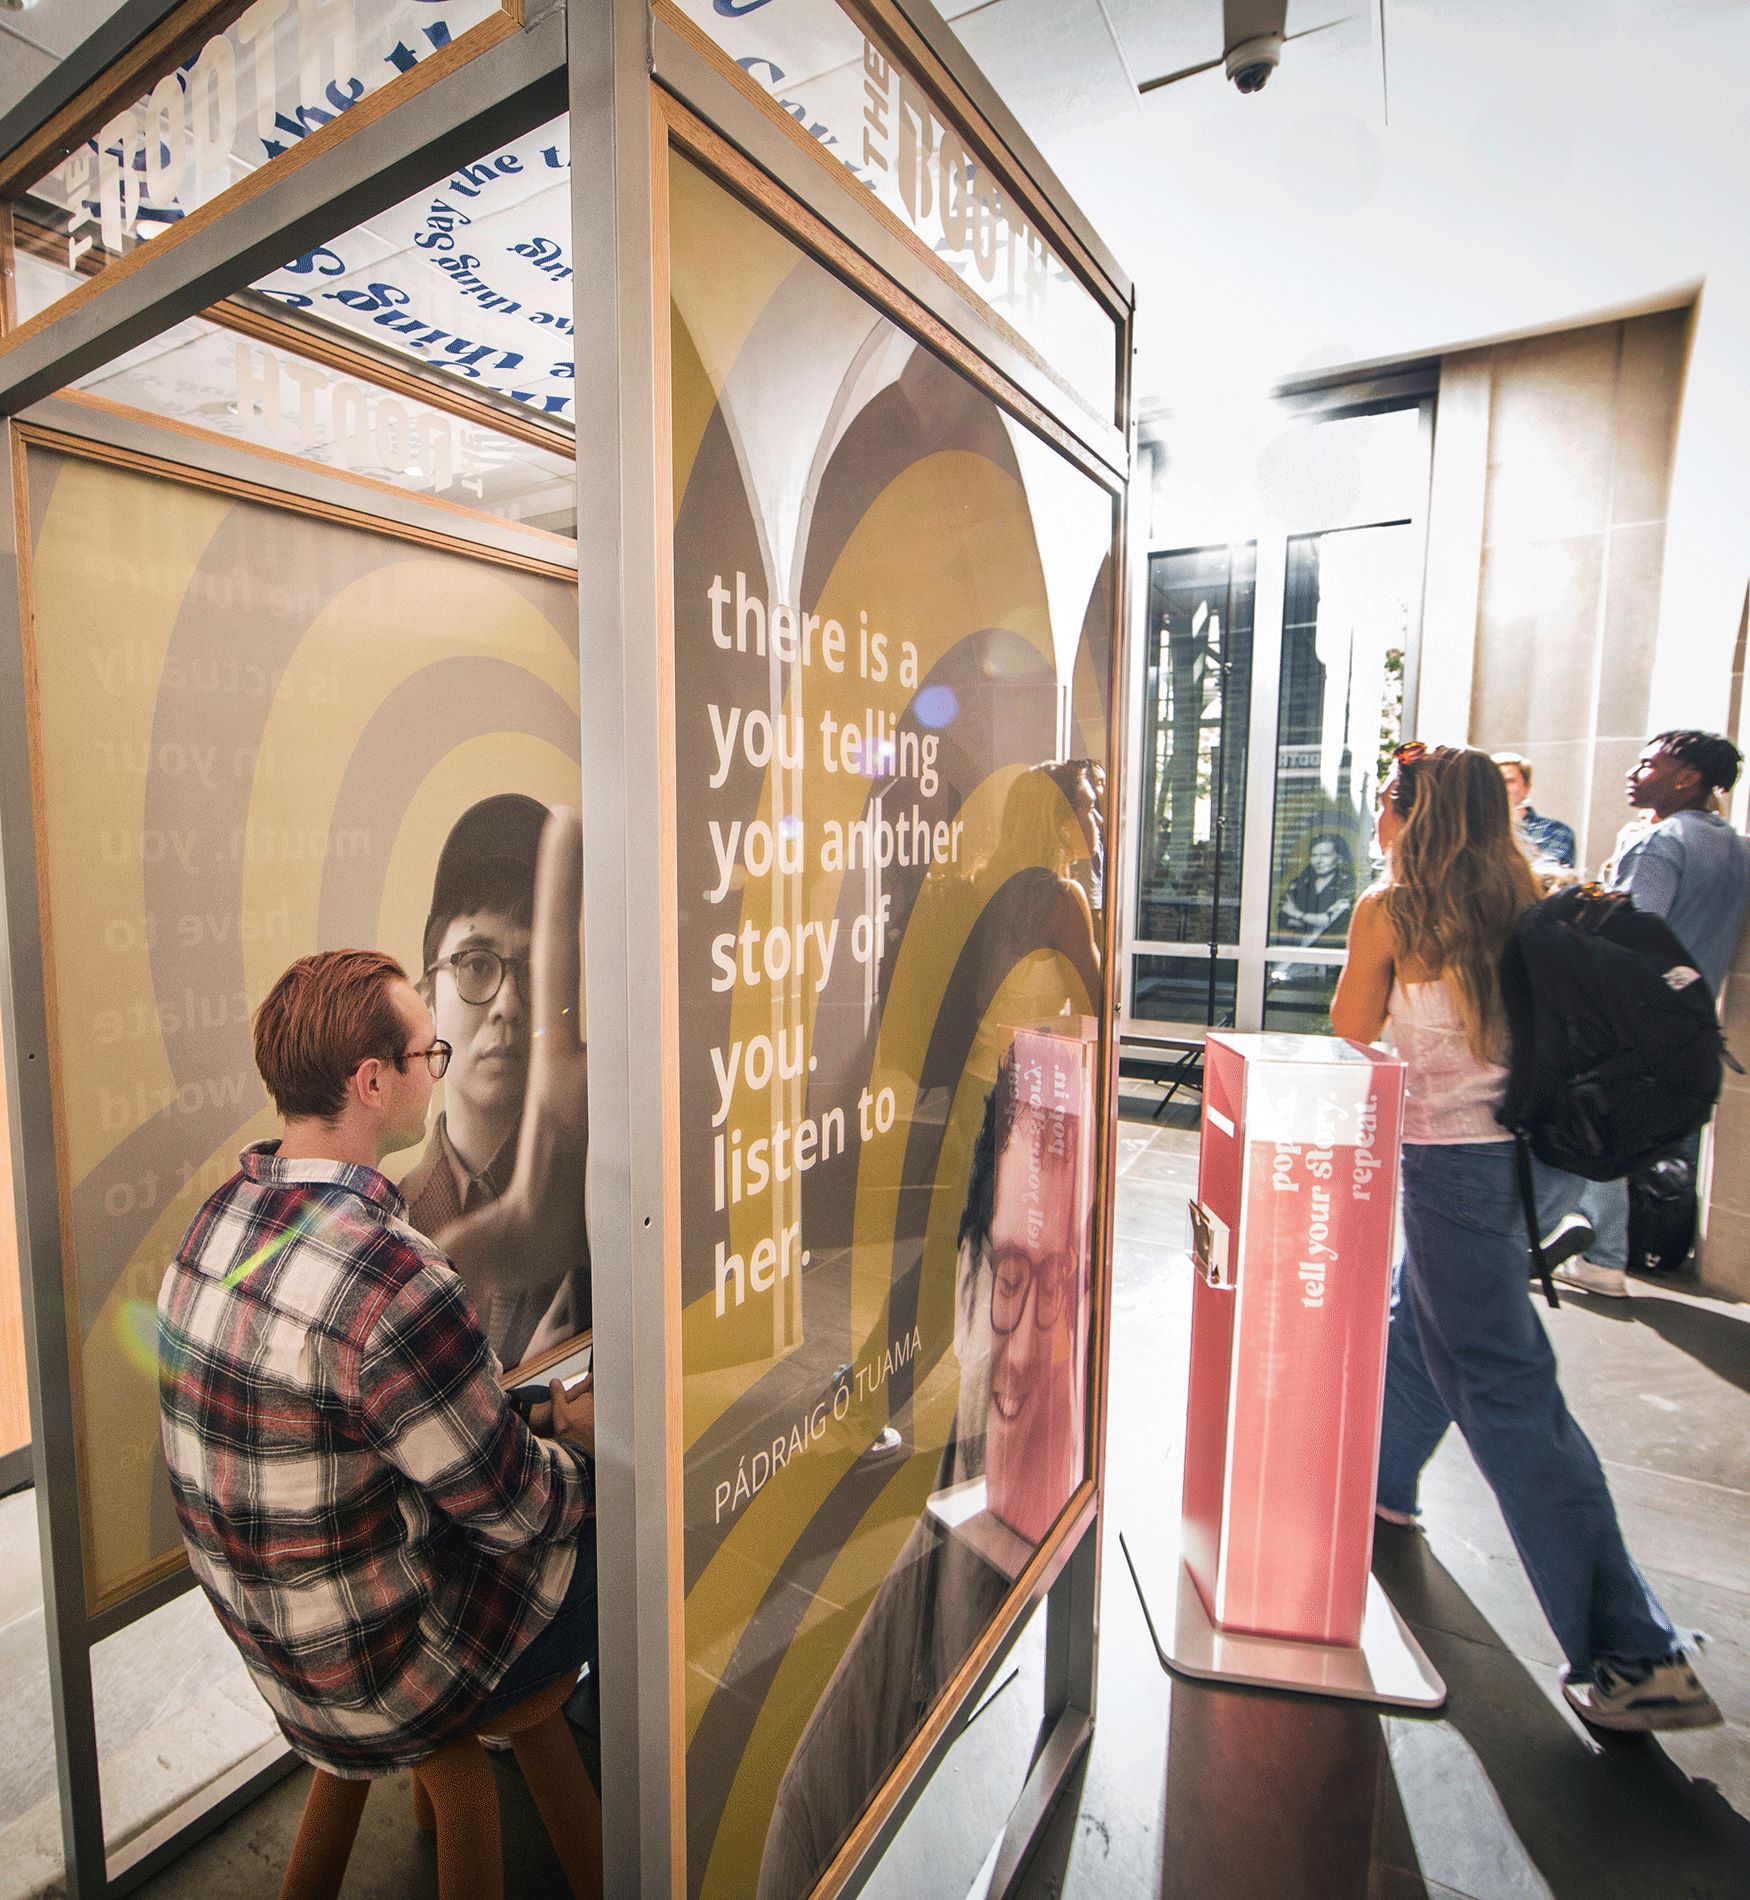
x=1190 y=1790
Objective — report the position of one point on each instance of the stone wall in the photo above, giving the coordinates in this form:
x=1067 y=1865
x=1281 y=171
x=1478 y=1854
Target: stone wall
x=1580 y=431
x=1724 y=1253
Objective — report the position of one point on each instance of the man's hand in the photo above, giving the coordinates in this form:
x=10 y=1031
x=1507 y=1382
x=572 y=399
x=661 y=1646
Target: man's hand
x=534 y=1233
x=574 y=1412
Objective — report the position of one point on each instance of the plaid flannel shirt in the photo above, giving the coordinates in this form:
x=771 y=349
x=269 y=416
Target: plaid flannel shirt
x=376 y=1528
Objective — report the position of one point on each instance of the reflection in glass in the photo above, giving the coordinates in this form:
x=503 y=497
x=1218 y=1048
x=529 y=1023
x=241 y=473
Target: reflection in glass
x=1197 y=699
x=1297 y=996
x=253 y=391
x=247 y=97
x=1176 y=990
x=1037 y=1243
x=1345 y=631
x=889 y=852
x=817 y=60
x=471 y=276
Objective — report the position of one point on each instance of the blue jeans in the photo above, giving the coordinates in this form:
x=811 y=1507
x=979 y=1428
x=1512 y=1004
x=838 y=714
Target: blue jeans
x=567 y=1642
x=1467 y=1347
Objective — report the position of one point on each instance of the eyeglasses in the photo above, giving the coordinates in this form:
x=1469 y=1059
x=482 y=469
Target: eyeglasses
x=1017 y=1274
x=1409 y=752
x=480 y=972
x=436 y=1059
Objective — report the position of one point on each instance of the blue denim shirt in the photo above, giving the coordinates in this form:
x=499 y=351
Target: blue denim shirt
x=1693 y=870
x=1547 y=839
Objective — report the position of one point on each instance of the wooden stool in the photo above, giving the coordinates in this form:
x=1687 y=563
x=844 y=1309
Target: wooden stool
x=455 y=1794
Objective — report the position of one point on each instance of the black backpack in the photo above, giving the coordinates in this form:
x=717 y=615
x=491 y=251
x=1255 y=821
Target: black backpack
x=1616 y=1048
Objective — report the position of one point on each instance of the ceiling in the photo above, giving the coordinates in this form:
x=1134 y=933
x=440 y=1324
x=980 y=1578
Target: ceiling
x=34 y=41
x=1543 y=161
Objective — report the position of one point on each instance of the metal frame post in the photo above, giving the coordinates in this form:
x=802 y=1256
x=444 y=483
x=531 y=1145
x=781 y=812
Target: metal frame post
x=622 y=551
x=36 y=1175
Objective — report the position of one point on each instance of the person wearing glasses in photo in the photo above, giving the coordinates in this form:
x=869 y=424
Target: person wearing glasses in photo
x=1021 y=1318
x=396 y=1554
x=500 y=1184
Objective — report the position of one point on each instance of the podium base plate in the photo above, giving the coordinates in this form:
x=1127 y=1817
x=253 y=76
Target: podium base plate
x=1389 y=1666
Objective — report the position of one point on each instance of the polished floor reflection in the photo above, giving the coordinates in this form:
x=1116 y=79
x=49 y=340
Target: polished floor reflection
x=1232 y=1794
x=1248 y=1793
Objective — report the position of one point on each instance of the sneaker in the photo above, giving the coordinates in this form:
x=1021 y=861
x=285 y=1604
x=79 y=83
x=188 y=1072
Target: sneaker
x=1637 y=1697
x=1405 y=1520
x=1582 y=1277
x=1570 y=1235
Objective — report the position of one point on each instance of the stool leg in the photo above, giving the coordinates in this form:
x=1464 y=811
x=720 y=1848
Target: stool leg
x=424 y=1814
x=557 y=1778
x=325 y=1838
x=458 y=1782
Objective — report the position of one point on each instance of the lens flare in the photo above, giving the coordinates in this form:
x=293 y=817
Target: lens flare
x=136 y=1332
x=935 y=707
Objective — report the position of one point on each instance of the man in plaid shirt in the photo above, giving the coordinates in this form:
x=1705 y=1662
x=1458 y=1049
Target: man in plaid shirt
x=394 y=1552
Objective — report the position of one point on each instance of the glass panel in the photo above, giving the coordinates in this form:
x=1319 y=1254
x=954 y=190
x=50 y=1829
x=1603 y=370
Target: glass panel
x=1197 y=711
x=234 y=385
x=471 y=276
x=1178 y=990
x=893 y=612
x=846 y=89
x=1346 y=618
x=1298 y=996
x=282 y=70
x=264 y=732
x=176 y=1709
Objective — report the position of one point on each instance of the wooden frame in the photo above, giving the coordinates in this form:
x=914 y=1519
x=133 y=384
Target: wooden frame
x=302 y=336
x=369 y=485
x=675 y=127
x=708 y=50
x=31 y=435
x=844 y=260
x=159 y=53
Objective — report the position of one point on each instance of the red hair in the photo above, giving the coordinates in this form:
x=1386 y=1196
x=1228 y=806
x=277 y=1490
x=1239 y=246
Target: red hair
x=325 y=1016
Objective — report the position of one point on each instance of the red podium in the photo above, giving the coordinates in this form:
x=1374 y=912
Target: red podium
x=1293 y=1231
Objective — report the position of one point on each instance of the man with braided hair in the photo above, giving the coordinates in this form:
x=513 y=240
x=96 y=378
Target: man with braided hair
x=1692 y=868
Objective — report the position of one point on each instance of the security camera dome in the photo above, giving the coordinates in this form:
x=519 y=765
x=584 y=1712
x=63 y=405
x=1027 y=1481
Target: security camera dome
x=1250 y=64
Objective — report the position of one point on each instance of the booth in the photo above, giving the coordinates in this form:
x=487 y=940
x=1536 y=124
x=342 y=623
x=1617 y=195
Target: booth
x=418 y=420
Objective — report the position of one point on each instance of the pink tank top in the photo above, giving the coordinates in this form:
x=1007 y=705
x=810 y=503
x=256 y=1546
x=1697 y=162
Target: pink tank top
x=1449 y=1096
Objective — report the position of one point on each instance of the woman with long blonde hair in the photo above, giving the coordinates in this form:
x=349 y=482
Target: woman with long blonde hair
x=1466 y=1344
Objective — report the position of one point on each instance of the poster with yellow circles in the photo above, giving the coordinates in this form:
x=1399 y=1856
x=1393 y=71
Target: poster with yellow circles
x=260 y=733
x=894 y=635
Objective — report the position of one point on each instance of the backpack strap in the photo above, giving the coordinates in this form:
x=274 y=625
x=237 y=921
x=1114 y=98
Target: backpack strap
x=1528 y=1201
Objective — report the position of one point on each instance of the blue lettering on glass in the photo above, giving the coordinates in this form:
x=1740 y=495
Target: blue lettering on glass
x=441 y=224
x=464 y=271
x=322 y=262
x=546 y=256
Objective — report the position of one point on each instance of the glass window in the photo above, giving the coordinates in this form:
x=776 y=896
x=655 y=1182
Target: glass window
x=1298 y=996
x=1184 y=989
x=1197 y=704
x=220 y=380
x=249 y=95
x=471 y=276
x=816 y=60
x=1346 y=618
